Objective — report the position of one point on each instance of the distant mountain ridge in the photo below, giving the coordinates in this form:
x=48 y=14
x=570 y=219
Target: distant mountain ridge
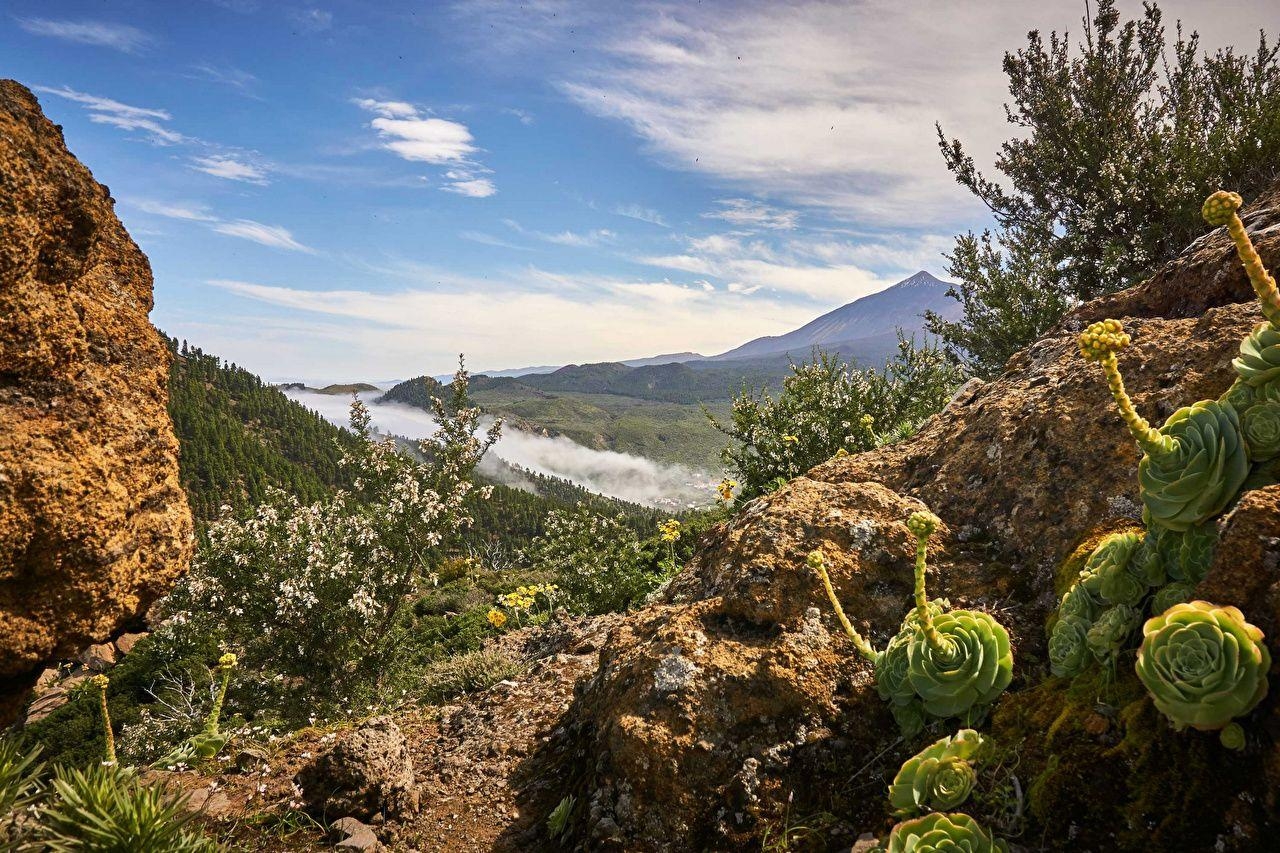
x=877 y=316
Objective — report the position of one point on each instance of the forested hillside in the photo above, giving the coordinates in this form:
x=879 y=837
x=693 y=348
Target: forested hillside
x=240 y=436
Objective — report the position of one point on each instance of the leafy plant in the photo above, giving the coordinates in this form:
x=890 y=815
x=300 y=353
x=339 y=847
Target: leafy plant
x=942 y=833
x=106 y=809
x=596 y=561
x=826 y=406
x=939 y=777
x=558 y=820
x=1193 y=465
x=1118 y=137
x=1203 y=665
x=465 y=673
x=21 y=786
x=210 y=740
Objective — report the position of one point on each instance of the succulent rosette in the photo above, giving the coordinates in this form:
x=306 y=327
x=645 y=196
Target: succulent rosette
x=1203 y=665
x=1260 y=424
x=1259 y=361
x=1175 y=592
x=1118 y=580
x=942 y=833
x=1240 y=396
x=1177 y=555
x=939 y=777
x=1069 y=646
x=1202 y=470
x=1108 y=634
x=1081 y=603
x=972 y=668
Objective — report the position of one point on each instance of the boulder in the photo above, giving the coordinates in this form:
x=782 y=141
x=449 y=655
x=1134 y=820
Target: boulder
x=94 y=523
x=350 y=834
x=99 y=657
x=367 y=772
x=734 y=700
x=125 y=642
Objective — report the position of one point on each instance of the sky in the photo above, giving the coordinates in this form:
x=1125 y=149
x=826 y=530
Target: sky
x=342 y=191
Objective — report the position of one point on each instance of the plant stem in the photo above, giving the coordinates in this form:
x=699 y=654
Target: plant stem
x=1263 y=283
x=211 y=723
x=106 y=726
x=865 y=649
x=936 y=641
x=1148 y=438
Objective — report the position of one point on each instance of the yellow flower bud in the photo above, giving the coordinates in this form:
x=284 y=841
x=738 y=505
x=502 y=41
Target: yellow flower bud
x=1220 y=207
x=1100 y=339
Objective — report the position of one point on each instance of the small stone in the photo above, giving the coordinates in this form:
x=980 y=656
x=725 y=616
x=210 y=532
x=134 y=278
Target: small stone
x=126 y=642
x=45 y=704
x=351 y=834
x=99 y=657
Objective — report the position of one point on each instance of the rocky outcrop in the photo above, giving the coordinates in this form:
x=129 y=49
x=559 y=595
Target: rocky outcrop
x=94 y=523
x=734 y=698
x=367 y=773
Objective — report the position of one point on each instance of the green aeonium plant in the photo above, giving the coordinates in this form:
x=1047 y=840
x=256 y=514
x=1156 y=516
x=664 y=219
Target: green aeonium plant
x=958 y=661
x=1203 y=665
x=1069 y=653
x=1119 y=581
x=1192 y=466
x=939 y=777
x=210 y=740
x=942 y=833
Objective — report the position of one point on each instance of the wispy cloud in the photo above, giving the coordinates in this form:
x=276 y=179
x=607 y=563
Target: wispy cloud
x=169 y=210
x=226 y=75
x=643 y=214
x=408 y=132
x=577 y=239
x=526 y=117
x=97 y=33
x=124 y=116
x=312 y=20
x=486 y=239
x=232 y=168
x=275 y=236
x=753 y=214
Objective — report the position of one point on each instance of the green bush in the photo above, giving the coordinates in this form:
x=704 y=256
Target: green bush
x=595 y=560
x=827 y=406
x=468 y=672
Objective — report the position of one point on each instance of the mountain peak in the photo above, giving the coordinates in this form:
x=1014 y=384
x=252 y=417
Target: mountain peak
x=876 y=315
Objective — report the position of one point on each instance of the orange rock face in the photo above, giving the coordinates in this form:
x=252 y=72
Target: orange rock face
x=94 y=524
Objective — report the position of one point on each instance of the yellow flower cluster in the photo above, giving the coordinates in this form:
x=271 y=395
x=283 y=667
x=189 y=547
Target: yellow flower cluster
x=1219 y=207
x=670 y=530
x=790 y=439
x=726 y=488
x=227 y=661
x=1101 y=339
x=524 y=596
x=497 y=618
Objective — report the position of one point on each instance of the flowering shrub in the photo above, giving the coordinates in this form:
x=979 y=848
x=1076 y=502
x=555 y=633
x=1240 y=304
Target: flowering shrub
x=310 y=595
x=826 y=406
x=524 y=600
x=595 y=560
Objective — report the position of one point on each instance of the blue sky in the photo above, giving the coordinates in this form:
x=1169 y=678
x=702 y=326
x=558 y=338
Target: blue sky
x=358 y=190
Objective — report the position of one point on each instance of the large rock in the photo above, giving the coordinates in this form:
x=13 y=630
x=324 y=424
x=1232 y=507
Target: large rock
x=368 y=772
x=94 y=523
x=734 y=700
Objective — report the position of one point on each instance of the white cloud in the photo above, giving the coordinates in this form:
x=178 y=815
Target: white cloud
x=643 y=214
x=579 y=318
x=753 y=214
x=275 y=236
x=526 y=117
x=124 y=116
x=405 y=131
x=472 y=188
x=230 y=167
x=814 y=272
x=97 y=33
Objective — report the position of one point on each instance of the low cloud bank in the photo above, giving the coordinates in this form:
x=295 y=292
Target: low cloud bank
x=618 y=475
